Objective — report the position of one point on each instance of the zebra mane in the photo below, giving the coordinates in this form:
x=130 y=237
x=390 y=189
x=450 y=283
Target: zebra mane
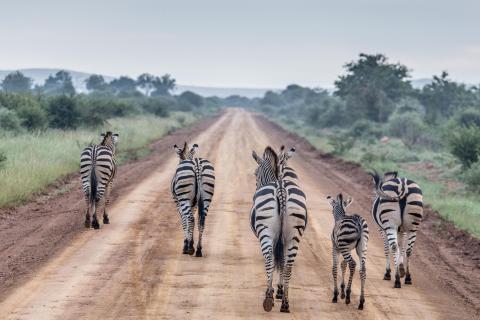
x=270 y=155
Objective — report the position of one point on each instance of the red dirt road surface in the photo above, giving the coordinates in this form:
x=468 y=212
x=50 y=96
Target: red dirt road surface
x=50 y=268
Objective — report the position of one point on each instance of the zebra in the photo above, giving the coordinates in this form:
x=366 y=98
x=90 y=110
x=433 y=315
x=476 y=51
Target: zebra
x=97 y=170
x=398 y=212
x=349 y=232
x=192 y=184
x=278 y=219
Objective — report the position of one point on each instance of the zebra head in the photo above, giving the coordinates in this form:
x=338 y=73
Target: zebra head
x=184 y=153
x=339 y=205
x=284 y=156
x=267 y=170
x=109 y=139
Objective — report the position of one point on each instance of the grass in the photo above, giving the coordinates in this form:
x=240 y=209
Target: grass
x=35 y=160
x=455 y=204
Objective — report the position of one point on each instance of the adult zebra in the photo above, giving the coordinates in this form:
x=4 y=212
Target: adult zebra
x=97 y=170
x=349 y=232
x=278 y=218
x=193 y=184
x=398 y=212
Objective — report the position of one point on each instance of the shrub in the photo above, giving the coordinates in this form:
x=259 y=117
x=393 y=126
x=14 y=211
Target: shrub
x=468 y=117
x=9 y=120
x=465 y=145
x=158 y=106
x=63 y=112
x=365 y=129
x=3 y=159
x=341 y=143
x=33 y=117
x=471 y=177
x=408 y=126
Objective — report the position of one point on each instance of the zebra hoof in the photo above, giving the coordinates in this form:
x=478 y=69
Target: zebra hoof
x=360 y=306
x=401 y=269
x=387 y=276
x=347 y=297
x=285 y=307
x=279 y=294
x=106 y=220
x=335 y=299
x=342 y=296
x=95 y=224
x=408 y=279
x=199 y=252
x=268 y=304
x=398 y=284
x=191 y=251
x=185 y=247
x=87 y=223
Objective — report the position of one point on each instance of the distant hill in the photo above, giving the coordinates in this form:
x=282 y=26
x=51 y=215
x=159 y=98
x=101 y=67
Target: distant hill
x=40 y=74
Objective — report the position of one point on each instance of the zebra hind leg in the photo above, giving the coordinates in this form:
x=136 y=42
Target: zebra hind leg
x=342 y=283
x=87 y=219
x=286 y=281
x=268 y=302
x=201 y=227
x=411 y=241
x=386 y=250
x=279 y=294
x=351 y=265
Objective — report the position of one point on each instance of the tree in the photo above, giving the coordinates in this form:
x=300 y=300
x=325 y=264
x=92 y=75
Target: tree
x=272 y=98
x=163 y=85
x=189 y=99
x=124 y=86
x=442 y=97
x=95 y=83
x=372 y=85
x=63 y=112
x=146 y=82
x=60 y=84
x=16 y=82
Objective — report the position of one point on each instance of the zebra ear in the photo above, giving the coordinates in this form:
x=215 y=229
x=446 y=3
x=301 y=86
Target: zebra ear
x=256 y=157
x=115 y=137
x=194 y=149
x=331 y=201
x=290 y=152
x=347 y=202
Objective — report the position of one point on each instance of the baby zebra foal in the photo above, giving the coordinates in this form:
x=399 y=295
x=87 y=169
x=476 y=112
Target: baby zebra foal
x=350 y=232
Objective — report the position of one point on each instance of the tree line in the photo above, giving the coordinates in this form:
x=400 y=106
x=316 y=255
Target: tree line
x=56 y=104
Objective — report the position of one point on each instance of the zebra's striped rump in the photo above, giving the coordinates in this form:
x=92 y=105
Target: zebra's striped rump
x=278 y=218
x=192 y=185
x=97 y=170
x=398 y=213
x=349 y=232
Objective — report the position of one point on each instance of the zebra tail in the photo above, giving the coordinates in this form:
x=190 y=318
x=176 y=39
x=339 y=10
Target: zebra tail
x=201 y=206
x=278 y=252
x=93 y=190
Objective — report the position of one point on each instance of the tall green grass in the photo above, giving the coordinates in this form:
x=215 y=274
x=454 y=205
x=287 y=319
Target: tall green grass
x=34 y=160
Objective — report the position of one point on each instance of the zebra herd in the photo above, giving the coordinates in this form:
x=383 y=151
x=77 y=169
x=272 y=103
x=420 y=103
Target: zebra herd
x=278 y=217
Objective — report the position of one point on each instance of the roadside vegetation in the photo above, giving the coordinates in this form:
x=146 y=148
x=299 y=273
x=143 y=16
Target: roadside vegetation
x=44 y=128
x=375 y=117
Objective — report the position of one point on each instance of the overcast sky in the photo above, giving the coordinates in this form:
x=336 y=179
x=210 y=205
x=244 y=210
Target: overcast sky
x=244 y=43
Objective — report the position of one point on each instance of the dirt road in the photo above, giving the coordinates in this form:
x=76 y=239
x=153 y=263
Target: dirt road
x=134 y=269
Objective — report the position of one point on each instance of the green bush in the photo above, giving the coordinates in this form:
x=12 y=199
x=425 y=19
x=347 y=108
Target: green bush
x=9 y=120
x=408 y=126
x=33 y=117
x=468 y=117
x=341 y=143
x=364 y=128
x=471 y=177
x=464 y=144
x=158 y=106
x=63 y=112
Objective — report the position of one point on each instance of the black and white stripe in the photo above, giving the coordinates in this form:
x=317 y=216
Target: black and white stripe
x=278 y=218
x=97 y=170
x=398 y=212
x=192 y=185
x=349 y=232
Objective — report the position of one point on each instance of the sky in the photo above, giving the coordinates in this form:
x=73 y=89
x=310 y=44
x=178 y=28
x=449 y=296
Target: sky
x=245 y=43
